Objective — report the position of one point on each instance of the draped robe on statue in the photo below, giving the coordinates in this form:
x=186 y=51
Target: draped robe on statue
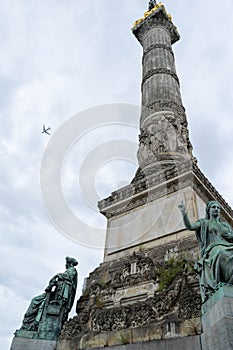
x=215 y=239
x=65 y=285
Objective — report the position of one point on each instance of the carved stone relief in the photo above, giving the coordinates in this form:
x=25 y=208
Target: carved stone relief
x=100 y=308
x=163 y=134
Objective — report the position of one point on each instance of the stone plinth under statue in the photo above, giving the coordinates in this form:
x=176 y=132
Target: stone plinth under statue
x=32 y=344
x=217 y=320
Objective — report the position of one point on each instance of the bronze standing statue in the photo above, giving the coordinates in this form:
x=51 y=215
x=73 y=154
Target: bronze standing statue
x=215 y=238
x=56 y=301
x=151 y=4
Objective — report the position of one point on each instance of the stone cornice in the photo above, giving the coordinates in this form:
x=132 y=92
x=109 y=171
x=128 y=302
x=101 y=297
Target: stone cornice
x=153 y=186
x=141 y=185
x=157 y=17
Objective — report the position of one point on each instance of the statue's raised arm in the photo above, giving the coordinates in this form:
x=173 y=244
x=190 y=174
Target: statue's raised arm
x=215 y=238
x=190 y=226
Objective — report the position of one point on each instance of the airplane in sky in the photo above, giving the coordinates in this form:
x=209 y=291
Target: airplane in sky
x=45 y=130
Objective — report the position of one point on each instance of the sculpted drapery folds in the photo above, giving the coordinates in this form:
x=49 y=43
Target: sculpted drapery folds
x=215 y=238
x=60 y=291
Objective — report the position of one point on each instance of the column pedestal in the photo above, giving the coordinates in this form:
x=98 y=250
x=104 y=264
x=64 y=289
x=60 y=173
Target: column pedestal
x=32 y=344
x=217 y=320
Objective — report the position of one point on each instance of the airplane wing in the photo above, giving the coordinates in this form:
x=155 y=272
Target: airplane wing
x=45 y=130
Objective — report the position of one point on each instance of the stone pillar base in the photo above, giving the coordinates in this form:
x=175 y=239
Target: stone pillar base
x=183 y=343
x=217 y=320
x=32 y=344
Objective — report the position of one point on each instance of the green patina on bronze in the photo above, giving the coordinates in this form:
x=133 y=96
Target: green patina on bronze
x=47 y=312
x=215 y=238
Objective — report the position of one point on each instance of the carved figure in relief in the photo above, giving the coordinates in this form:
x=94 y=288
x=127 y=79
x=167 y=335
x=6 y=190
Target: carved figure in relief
x=141 y=153
x=125 y=272
x=144 y=151
x=60 y=291
x=171 y=138
x=215 y=238
x=167 y=133
x=181 y=143
x=185 y=137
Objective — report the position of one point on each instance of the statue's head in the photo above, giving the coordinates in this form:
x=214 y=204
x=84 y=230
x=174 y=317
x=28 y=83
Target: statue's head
x=209 y=205
x=71 y=262
x=151 y=4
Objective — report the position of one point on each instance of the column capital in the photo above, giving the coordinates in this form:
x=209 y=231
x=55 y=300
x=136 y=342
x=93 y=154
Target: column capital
x=157 y=16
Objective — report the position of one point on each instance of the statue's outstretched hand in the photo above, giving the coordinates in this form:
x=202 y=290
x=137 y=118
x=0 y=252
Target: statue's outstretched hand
x=182 y=207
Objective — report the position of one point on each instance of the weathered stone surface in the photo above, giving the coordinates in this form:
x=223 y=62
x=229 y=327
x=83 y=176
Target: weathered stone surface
x=141 y=297
x=32 y=344
x=156 y=207
x=88 y=341
x=190 y=327
x=222 y=308
x=187 y=343
x=150 y=222
x=142 y=334
x=123 y=336
x=224 y=291
x=218 y=320
x=145 y=188
x=219 y=335
x=155 y=332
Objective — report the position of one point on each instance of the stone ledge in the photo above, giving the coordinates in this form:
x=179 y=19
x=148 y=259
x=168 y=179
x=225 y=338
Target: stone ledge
x=32 y=344
x=156 y=186
x=190 y=343
x=132 y=336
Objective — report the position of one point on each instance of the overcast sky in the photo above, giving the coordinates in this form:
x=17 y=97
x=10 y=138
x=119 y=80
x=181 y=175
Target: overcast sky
x=59 y=58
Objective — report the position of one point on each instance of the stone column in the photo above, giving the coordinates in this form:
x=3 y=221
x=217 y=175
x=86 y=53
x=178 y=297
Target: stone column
x=164 y=139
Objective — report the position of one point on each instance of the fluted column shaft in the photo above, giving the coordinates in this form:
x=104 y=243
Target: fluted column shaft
x=159 y=80
x=164 y=136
